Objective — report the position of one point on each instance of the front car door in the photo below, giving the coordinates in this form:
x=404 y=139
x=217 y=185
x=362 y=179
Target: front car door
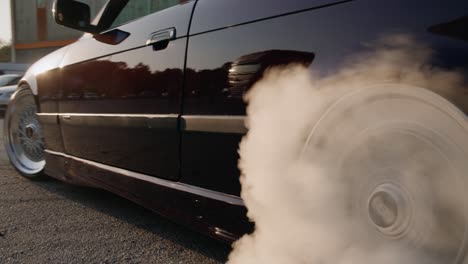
x=120 y=90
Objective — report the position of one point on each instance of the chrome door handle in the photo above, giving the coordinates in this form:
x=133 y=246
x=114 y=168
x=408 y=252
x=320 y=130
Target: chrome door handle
x=161 y=37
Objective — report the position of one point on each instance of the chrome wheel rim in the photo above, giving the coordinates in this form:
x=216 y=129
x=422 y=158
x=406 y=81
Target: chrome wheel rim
x=25 y=139
x=401 y=153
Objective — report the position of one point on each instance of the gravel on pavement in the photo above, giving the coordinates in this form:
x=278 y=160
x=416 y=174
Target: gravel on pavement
x=54 y=222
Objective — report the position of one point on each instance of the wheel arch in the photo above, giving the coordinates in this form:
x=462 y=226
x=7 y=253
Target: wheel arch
x=25 y=84
x=30 y=82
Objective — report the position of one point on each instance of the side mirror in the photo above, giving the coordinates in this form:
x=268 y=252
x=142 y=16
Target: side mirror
x=73 y=14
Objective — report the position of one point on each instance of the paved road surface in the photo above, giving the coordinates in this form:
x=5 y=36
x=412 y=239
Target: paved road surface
x=54 y=222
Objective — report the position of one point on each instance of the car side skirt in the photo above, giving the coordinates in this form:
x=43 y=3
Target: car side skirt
x=219 y=215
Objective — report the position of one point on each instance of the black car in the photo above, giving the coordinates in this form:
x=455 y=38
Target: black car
x=149 y=104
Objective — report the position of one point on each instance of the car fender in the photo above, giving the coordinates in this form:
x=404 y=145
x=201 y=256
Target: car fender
x=45 y=64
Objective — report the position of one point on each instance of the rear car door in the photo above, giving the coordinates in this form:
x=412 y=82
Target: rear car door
x=247 y=38
x=120 y=90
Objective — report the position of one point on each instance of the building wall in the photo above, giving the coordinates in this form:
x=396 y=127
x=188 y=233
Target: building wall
x=36 y=34
x=31 y=55
x=25 y=21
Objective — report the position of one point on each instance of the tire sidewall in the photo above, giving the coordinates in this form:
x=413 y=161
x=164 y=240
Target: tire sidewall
x=21 y=92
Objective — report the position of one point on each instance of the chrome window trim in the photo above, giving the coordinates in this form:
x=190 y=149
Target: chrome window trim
x=189 y=123
x=169 y=121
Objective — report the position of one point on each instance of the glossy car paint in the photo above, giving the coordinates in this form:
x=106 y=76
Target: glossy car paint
x=162 y=127
x=123 y=102
x=333 y=33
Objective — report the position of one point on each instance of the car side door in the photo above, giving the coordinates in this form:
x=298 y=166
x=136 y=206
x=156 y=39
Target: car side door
x=247 y=37
x=120 y=90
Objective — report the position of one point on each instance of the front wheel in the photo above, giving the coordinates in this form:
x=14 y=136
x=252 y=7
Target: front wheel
x=23 y=136
x=400 y=154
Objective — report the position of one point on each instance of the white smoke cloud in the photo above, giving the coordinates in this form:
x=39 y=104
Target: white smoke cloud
x=300 y=205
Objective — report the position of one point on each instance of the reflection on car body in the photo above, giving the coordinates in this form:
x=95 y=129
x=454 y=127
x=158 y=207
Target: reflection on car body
x=161 y=126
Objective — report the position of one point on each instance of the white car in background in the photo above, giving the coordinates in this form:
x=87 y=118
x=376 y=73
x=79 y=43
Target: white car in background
x=8 y=84
x=9 y=79
x=5 y=94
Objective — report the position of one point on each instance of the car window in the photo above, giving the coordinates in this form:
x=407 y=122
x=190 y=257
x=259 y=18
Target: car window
x=139 y=8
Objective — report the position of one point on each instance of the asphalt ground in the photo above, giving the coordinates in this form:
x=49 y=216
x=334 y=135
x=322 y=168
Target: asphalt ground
x=55 y=222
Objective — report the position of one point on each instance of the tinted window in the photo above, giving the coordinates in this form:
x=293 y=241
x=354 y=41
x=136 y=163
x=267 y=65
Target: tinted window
x=139 y=8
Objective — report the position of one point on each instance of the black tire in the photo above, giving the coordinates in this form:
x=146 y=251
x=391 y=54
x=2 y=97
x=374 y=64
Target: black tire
x=23 y=137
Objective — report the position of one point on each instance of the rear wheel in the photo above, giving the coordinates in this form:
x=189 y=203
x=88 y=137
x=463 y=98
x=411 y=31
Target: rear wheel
x=401 y=153
x=24 y=140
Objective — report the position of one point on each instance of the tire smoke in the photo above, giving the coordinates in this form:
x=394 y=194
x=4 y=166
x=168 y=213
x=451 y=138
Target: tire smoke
x=299 y=184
